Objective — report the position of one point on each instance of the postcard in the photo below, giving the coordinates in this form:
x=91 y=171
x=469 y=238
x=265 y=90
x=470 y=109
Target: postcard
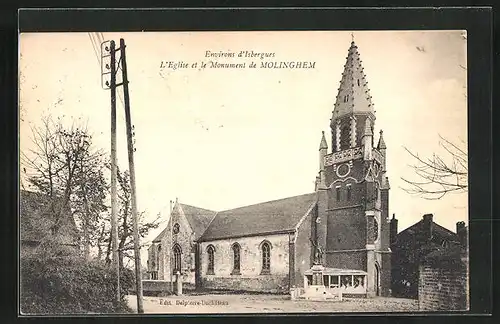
x=249 y=172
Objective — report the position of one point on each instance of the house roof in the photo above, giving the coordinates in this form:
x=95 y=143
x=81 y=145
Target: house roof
x=436 y=229
x=198 y=219
x=34 y=221
x=275 y=216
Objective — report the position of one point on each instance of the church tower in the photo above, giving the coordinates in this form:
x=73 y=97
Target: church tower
x=352 y=179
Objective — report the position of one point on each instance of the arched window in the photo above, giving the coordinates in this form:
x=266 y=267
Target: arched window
x=177 y=258
x=266 y=257
x=236 y=258
x=158 y=253
x=375 y=229
x=345 y=136
x=376 y=195
x=211 y=259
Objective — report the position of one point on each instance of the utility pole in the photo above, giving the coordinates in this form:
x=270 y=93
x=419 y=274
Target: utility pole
x=114 y=195
x=137 y=254
x=171 y=250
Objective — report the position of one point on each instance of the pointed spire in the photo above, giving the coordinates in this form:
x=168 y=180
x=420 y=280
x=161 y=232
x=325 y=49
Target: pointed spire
x=381 y=143
x=353 y=93
x=323 y=144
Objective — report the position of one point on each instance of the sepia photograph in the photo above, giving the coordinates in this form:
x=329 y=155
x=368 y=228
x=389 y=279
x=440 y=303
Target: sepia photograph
x=243 y=172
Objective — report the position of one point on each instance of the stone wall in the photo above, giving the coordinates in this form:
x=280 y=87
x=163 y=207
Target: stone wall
x=250 y=277
x=185 y=240
x=443 y=286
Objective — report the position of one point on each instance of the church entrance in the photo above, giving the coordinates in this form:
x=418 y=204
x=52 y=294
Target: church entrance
x=377 y=280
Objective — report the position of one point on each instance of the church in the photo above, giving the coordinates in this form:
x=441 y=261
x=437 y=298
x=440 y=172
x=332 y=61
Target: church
x=343 y=225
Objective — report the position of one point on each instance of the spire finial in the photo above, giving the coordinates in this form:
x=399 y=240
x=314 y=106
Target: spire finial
x=381 y=143
x=352 y=37
x=323 y=144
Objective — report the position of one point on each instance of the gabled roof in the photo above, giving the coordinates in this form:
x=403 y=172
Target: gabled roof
x=277 y=216
x=198 y=219
x=159 y=236
x=436 y=229
x=353 y=93
x=35 y=222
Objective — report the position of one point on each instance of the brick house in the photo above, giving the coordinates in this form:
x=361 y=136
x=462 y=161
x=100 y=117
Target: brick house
x=269 y=246
x=410 y=247
x=35 y=220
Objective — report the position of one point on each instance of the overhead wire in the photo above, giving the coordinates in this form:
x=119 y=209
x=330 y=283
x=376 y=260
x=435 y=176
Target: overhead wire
x=96 y=40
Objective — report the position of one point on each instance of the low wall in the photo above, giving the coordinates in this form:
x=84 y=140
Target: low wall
x=265 y=283
x=443 y=286
x=162 y=287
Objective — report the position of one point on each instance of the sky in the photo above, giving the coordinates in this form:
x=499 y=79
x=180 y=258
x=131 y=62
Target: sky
x=224 y=138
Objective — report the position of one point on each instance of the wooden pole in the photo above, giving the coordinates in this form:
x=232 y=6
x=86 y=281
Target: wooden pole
x=114 y=194
x=171 y=250
x=137 y=252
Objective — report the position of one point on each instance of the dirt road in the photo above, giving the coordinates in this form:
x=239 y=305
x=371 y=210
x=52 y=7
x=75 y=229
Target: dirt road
x=220 y=304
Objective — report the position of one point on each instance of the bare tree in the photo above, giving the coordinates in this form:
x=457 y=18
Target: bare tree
x=125 y=223
x=438 y=176
x=64 y=167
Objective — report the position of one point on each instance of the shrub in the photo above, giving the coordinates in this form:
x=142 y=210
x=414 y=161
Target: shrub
x=66 y=285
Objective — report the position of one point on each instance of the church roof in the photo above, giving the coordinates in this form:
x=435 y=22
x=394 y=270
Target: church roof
x=198 y=219
x=277 y=216
x=353 y=93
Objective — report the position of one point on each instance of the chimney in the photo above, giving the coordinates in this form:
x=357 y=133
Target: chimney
x=462 y=233
x=393 y=229
x=427 y=226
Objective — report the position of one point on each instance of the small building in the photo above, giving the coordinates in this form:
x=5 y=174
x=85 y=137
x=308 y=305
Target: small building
x=410 y=247
x=37 y=220
x=334 y=283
